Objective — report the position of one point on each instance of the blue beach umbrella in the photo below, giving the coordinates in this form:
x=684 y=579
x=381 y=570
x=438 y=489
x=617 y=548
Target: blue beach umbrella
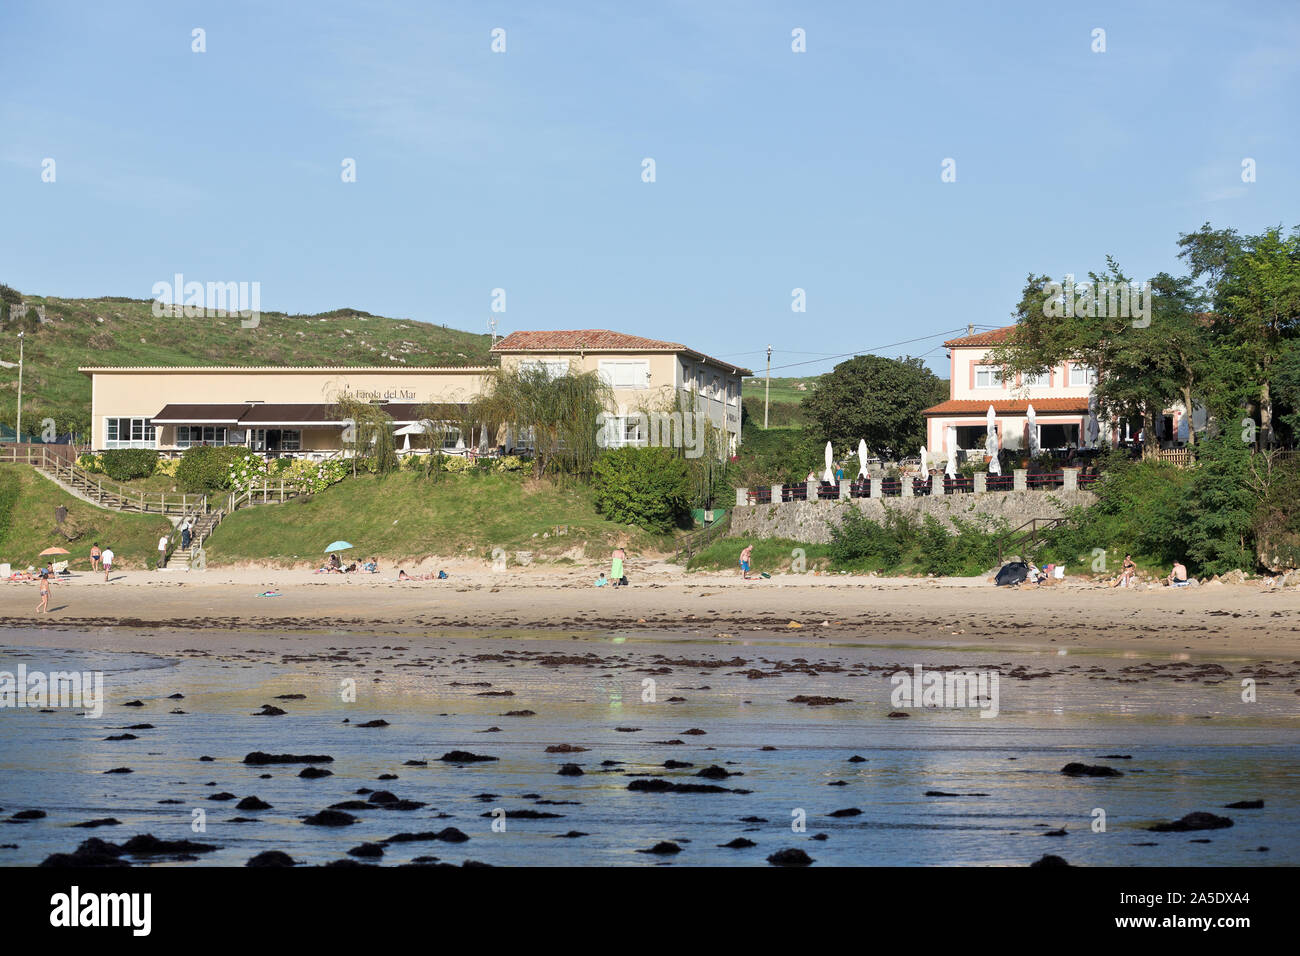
x=338 y=546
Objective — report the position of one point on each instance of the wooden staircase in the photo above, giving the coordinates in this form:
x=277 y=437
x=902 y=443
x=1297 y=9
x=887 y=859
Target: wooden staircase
x=1024 y=540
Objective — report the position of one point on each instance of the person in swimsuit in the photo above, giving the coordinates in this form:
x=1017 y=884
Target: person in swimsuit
x=45 y=595
x=616 y=568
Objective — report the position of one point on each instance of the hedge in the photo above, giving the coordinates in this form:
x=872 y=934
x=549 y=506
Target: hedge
x=123 y=464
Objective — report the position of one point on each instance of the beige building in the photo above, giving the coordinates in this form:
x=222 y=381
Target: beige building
x=288 y=411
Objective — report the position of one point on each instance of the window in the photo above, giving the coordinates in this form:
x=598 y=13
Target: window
x=1081 y=375
x=621 y=430
x=554 y=367
x=988 y=376
x=733 y=392
x=1037 y=381
x=716 y=392
x=188 y=435
x=129 y=433
x=625 y=373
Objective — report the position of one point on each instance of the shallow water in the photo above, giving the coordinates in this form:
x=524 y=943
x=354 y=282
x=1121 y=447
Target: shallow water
x=1181 y=761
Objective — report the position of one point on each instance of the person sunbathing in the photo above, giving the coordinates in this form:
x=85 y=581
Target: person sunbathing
x=1128 y=574
x=1178 y=576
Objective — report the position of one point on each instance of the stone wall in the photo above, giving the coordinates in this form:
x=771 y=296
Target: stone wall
x=811 y=521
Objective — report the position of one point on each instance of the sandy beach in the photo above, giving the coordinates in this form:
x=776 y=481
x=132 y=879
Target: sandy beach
x=1224 y=619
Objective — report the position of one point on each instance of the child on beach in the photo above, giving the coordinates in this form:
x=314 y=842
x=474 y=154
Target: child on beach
x=744 y=561
x=600 y=580
x=45 y=595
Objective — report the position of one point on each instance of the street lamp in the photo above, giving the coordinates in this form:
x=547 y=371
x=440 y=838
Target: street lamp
x=18 y=428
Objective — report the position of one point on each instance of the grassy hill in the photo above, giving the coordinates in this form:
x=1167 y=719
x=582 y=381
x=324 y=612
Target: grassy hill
x=116 y=331
x=402 y=517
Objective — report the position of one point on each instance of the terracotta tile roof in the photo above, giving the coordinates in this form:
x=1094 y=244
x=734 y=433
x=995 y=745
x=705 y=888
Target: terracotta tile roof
x=979 y=406
x=594 y=340
x=992 y=337
x=598 y=340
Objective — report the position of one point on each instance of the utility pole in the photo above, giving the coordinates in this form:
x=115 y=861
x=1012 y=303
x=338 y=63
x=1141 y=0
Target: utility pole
x=767 y=386
x=18 y=428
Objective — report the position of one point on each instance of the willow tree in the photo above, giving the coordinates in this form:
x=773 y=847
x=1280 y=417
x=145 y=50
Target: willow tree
x=367 y=432
x=441 y=420
x=560 y=411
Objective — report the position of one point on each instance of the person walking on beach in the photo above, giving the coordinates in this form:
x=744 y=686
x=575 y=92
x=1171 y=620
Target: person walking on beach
x=94 y=558
x=744 y=561
x=162 y=552
x=45 y=594
x=107 y=558
x=616 y=568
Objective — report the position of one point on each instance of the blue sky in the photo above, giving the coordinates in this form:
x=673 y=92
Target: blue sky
x=774 y=170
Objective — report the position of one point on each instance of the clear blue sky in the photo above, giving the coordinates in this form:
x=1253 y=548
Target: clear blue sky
x=522 y=170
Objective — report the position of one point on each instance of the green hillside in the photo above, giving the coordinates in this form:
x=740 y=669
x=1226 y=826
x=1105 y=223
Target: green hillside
x=116 y=331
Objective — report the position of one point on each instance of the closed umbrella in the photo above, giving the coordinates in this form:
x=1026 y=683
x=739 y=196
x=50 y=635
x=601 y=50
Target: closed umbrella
x=991 y=441
x=862 y=458
x=951 y=439
x=1032 y=419
x=924 y=459
x=829 y=475
x=1094 y=427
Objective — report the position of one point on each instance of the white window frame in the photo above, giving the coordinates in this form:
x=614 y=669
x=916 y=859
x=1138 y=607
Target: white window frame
x=141 y=432
x=214 y=435
x=1042 y=380
x=625 y=373
x=555 y=368
x=993 y=371
x=1089 y=375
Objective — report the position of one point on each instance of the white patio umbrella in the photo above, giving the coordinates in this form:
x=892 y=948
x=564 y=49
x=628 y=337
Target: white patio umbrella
x=1032 y=419
x=951 y=439
x=862 y=458
x=924 y=460
x=991 y=441
x=829 y=474
x=406 y=431
x=1094 y=427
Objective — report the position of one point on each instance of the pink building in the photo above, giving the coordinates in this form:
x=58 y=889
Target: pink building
x=1059 y=397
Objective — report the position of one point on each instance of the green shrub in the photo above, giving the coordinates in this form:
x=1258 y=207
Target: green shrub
x=857 y=541
x=206 y=468
x=124 y=464
x=648 y=487
x=92 y=462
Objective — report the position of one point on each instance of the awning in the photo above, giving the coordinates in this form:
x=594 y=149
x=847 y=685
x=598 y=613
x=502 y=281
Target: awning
x=291 y=416
x=200 y=414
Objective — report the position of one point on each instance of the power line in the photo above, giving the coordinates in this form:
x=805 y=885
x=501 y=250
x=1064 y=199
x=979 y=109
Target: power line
x=877 y=348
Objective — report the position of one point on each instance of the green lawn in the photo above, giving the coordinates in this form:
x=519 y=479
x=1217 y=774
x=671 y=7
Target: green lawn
x=27 y=526
x=770 y=555
x=403 y=517
x=783 y=389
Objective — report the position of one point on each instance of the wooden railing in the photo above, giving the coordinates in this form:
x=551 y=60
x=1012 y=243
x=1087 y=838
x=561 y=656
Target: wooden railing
x=1024 y=538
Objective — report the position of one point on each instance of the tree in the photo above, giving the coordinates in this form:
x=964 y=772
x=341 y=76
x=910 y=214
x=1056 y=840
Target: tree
x=877 y=399
x=560 y=411
x=368 y=433
x=649 y=487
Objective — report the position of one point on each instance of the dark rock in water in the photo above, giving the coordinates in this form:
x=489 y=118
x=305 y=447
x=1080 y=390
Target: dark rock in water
x=693 y=732
x=382 y=796
x=206 y=759
x=813 y=700
x=627 y=730
x=171 y=800
x=267 y=711
x=520 y=713
x=676 y=764
x=1049 y=860
x=416 y=763
x=120 y=770
x=856 y=759
x=672 y=743
x=790 y=858
x=291 y=697
x=175 y=697
x=122 y=737
x=1245 y=805
x=243 y=820
x=263 y=776
x=1055 y=833
x=1115 y=757
x=149 y=845
x=838 y=783
x=898 y=715
x=464 y=756
x=134 y=703
x=271 y=858
x=1203 y=840
x=565 y=749
x=611 y=763
x=1089 y=770
x=252 y=803
x=846 y=812
x=658 y=785
x=387 y=776
x=352 y=805
x=715 y=772
x=766 y=748
x=819 y=836
x=367 y=850
x=451 y=835
x=740 y=843
x=175 y=711
x=571 y=835
x=257 y=758
x=330 y=818
x=525 y=814
x=101 y=822
x=663 y=848
x=1197 y=820
x=753 y=819
x=222 y=796
x=140 y=727
x=941 y=793
x=570 y=770
x=374 y=723
x=448 y=835
x=315 y=773
x=348 y=864
x=92 y=852
x=29 y=815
